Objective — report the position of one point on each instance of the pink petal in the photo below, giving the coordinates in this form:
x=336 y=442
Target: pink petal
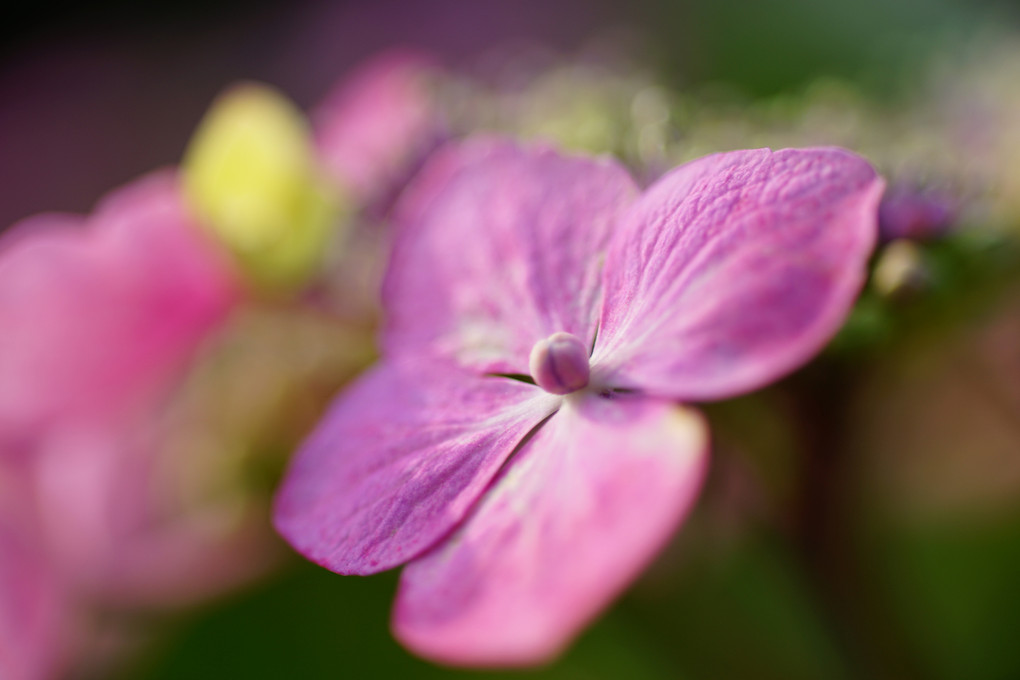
x=116 y=527
x=378 y=122
x=577 y=515
x=735 y=269
x=398 y=462
x=31 y=612
x=98 y=316
x=500 y=246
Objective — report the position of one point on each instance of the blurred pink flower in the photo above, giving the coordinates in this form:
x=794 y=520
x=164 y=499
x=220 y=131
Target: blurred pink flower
x=32 y=616
x=120 y=530
x=101 y=317
x=101 y=314
x=378 y=123
x=916 y=214
x=524 y=505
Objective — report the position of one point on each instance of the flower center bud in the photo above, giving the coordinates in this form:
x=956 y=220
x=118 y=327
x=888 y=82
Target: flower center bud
x=559 y=364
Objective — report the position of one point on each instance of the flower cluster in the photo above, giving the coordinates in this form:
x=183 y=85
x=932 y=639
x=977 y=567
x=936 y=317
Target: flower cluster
x=116 y=325
x=570 y=267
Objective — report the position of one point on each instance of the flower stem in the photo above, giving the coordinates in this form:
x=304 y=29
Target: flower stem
x=826 y=532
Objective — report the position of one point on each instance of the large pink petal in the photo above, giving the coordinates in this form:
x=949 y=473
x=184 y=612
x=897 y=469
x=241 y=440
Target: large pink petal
x=399 y=461
x=97 y=314
x=734 y=269
x=585 y=506
x=500 y=246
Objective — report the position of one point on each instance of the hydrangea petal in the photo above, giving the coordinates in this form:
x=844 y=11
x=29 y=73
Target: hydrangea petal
x=99 y=313
x=31 y=626
x=116 y=530
x=499 y=247
x=398 y=462
x=573 y=519
x=734 y=269
x=378 y=121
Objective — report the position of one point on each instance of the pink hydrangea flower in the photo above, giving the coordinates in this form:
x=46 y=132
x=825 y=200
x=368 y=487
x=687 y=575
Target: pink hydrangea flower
x=100 y=313
x=101 y=316
x=524 y=505
x=378 y=123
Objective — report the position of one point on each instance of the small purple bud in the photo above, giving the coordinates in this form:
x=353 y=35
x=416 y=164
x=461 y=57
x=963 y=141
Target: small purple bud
x=915 y=214
x=559 y=364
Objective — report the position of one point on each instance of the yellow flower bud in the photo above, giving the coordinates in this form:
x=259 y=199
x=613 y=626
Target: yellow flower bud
x=250 y=174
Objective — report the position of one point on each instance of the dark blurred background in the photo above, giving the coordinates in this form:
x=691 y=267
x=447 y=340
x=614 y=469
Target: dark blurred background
x=94 y=93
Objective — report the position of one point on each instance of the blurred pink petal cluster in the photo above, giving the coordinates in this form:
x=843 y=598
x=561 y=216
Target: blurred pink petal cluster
x=104 y=319
x=102 y=314
x=376 y=124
